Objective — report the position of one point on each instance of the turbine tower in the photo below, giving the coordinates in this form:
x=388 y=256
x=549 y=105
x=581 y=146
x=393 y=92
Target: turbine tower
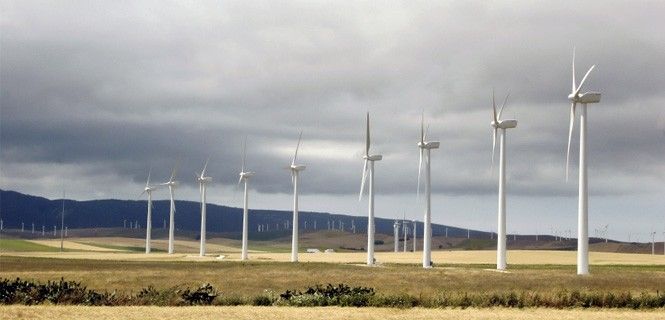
x=582 y=208
x=202 y=179
x=425 y=147
x=148 y=189
x=415 y=235
x=396 y=234
x=295 y=170
x=369 y=168
x=172 y=183
x=244 y=177
x=499 y=124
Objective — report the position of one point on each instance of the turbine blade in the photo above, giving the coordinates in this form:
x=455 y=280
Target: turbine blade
x=504 y=104
x=422 y=127
x=426 y=131
x=295 y=156
x=147 y=183
x=205 y=166
x=367 y=138
x=493 y=148
x=420 y=168
x=244 y=154
x=584 y=79
x=293 y=177
x=494 y=108
x=362 y=184
x=173 y=173
x=570 y=136
x=574 y=83
x=239 y=181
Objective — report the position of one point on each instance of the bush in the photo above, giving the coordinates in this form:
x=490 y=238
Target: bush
x=19 y=291
x=204 y=295
x=340 y=295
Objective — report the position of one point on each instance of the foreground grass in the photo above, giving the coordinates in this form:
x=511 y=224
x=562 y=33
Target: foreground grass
x=247 y=279
x=332 y=313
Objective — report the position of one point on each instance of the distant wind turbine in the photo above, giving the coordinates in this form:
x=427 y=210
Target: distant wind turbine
x=244 y=177
x=396 y=235
x=425 y=147
x=368 y=168
x=295 y=171
x=503 y=125
x=148 y=189
x=202 y=179
x=582 y=209
x=172 y=183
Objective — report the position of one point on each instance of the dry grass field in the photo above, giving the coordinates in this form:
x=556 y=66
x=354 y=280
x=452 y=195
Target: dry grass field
x=252 y=278
x=329 y=313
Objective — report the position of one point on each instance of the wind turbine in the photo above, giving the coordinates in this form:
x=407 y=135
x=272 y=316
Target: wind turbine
x=503 y=125
x=425 y=147
x=582 y=208
x=172 y=183
x=148 y=189
x=415 y=235
x=202 y=179
x=244 y=177
x=369 y=168
x=396 y=234
x=295 y=170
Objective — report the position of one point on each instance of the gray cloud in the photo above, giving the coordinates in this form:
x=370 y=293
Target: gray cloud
x=119 y=87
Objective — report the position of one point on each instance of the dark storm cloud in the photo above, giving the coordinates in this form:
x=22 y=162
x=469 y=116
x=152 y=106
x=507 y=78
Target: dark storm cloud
x=121 y=87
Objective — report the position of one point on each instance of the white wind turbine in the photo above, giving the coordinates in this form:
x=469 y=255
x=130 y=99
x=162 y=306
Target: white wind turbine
x=148 y=230
x=202 y=179
x=425 y=147
x=244 y=177
x=369 y=168
x=582 y=208
x=496 y=124
x=295 y=170
x=396 y=234
x=172 y=183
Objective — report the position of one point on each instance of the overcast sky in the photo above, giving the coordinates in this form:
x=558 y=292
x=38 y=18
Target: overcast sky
x=93 y=94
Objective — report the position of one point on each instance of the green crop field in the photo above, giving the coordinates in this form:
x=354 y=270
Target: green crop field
x=18 y=245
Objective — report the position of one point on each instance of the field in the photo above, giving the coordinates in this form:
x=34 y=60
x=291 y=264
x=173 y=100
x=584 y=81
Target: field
x=117 y=263
x=331 y=313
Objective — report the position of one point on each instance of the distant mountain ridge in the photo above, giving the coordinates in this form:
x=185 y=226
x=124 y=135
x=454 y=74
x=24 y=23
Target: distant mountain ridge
x=16 y=208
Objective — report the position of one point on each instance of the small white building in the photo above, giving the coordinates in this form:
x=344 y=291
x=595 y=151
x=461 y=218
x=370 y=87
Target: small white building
x=310 y=250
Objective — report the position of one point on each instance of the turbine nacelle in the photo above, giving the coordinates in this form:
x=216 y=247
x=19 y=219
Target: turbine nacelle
x=172 y=183
x=246 y=175
x=429 y=144
x=373 y=157
x=504 y=124
x=204 y=179
x=297 y=167
x=587 y=97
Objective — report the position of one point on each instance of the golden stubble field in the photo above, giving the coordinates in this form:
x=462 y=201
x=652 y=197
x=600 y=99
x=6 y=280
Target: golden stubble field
x=314 y=313
x=110 y=248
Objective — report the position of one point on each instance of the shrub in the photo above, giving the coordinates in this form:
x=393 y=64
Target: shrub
x=340 y=295
x=204 y=295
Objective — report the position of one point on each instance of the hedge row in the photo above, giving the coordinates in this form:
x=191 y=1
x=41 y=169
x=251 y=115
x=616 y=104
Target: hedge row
x=73 y=293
